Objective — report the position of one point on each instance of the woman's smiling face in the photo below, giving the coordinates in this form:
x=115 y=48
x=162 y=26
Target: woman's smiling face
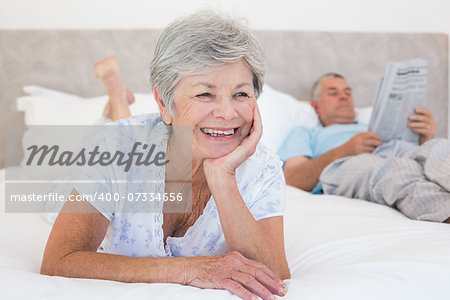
x=218 y=105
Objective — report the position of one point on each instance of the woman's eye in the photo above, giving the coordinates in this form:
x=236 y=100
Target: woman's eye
x=203 y=95
x=241 y=94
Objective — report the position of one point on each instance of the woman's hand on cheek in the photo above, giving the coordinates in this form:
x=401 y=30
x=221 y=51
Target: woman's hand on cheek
x=228 y=164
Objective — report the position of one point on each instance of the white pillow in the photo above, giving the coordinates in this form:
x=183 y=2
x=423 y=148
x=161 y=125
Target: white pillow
x=35 y=90
x=49 y=107
x=281 y=113
x=363 y=114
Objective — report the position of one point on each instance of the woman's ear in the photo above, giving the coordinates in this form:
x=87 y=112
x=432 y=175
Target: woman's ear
x=162 y=107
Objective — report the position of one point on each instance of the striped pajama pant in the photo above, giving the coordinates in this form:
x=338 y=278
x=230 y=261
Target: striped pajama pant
x=414 y=179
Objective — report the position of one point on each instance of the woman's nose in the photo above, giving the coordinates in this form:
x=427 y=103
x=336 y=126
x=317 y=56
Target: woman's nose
x=224 y=108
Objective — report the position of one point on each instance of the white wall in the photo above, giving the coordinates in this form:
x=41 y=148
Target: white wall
x=342 y=15
x=327 y=15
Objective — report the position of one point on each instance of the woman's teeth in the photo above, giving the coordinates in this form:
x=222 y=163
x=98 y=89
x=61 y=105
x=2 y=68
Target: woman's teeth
x=214 y=132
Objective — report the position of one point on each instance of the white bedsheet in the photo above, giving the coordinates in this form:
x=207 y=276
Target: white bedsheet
x=337 y=248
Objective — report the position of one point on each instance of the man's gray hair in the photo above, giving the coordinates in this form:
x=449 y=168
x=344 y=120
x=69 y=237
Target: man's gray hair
x=317 y=88
x=191 y=45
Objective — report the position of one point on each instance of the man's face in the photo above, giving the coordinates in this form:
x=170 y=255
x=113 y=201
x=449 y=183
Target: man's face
x=335 y=104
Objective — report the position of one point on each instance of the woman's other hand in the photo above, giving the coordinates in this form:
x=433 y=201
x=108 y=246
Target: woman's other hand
x=233 y=272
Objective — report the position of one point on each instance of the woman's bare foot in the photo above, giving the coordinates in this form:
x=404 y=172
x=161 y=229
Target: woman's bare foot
x=119 y=96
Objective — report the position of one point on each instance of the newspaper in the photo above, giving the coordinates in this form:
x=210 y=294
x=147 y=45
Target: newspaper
x=400 y=90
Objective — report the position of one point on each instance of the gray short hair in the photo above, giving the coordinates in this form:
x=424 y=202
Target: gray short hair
x=317 y=89
x=202 y=40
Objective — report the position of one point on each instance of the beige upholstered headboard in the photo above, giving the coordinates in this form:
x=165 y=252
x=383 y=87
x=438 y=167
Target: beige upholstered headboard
x=63 y=60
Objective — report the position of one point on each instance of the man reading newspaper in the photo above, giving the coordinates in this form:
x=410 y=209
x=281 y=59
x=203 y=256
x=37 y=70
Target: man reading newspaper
x=353 y=162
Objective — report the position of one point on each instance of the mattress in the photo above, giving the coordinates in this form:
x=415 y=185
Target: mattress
x=336 y=248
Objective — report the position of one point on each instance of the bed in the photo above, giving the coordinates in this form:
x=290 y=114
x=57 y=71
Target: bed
x=336 y=247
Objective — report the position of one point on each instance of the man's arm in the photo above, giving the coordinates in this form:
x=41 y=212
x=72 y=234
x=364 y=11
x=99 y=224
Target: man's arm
x=303 y=172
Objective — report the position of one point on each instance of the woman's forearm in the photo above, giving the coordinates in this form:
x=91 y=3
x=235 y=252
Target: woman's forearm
x=217 y=272
x=85 y=264
x=240 y=228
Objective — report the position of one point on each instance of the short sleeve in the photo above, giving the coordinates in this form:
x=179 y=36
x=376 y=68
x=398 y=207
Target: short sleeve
x=267 y=189
x=118 y=184
x=298 y=143
x=95 y=184
x=92 y=182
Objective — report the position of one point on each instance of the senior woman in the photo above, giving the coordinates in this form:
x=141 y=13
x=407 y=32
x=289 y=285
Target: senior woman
x=207 y=72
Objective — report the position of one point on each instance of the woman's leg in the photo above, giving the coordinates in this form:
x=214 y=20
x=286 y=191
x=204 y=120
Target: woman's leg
x=119 y=96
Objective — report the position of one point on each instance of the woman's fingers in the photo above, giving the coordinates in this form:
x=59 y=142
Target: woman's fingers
x=237 y=289
x=249 y=144
x=241 y=276
x=252 y=284
x=273 y=285
x=264 y=269
x=257 y=129
x=257 y=121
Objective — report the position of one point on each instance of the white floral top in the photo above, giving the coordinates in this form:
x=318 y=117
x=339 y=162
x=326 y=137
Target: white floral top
x=260 y=181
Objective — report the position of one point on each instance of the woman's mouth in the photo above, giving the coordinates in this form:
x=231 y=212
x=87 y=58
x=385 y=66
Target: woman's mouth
x=222 y=133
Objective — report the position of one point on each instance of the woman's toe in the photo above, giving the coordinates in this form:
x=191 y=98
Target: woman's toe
x=130 y=97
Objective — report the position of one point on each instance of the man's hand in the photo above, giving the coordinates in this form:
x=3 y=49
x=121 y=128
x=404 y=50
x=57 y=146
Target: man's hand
x=364 y=142
x=423 y=123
